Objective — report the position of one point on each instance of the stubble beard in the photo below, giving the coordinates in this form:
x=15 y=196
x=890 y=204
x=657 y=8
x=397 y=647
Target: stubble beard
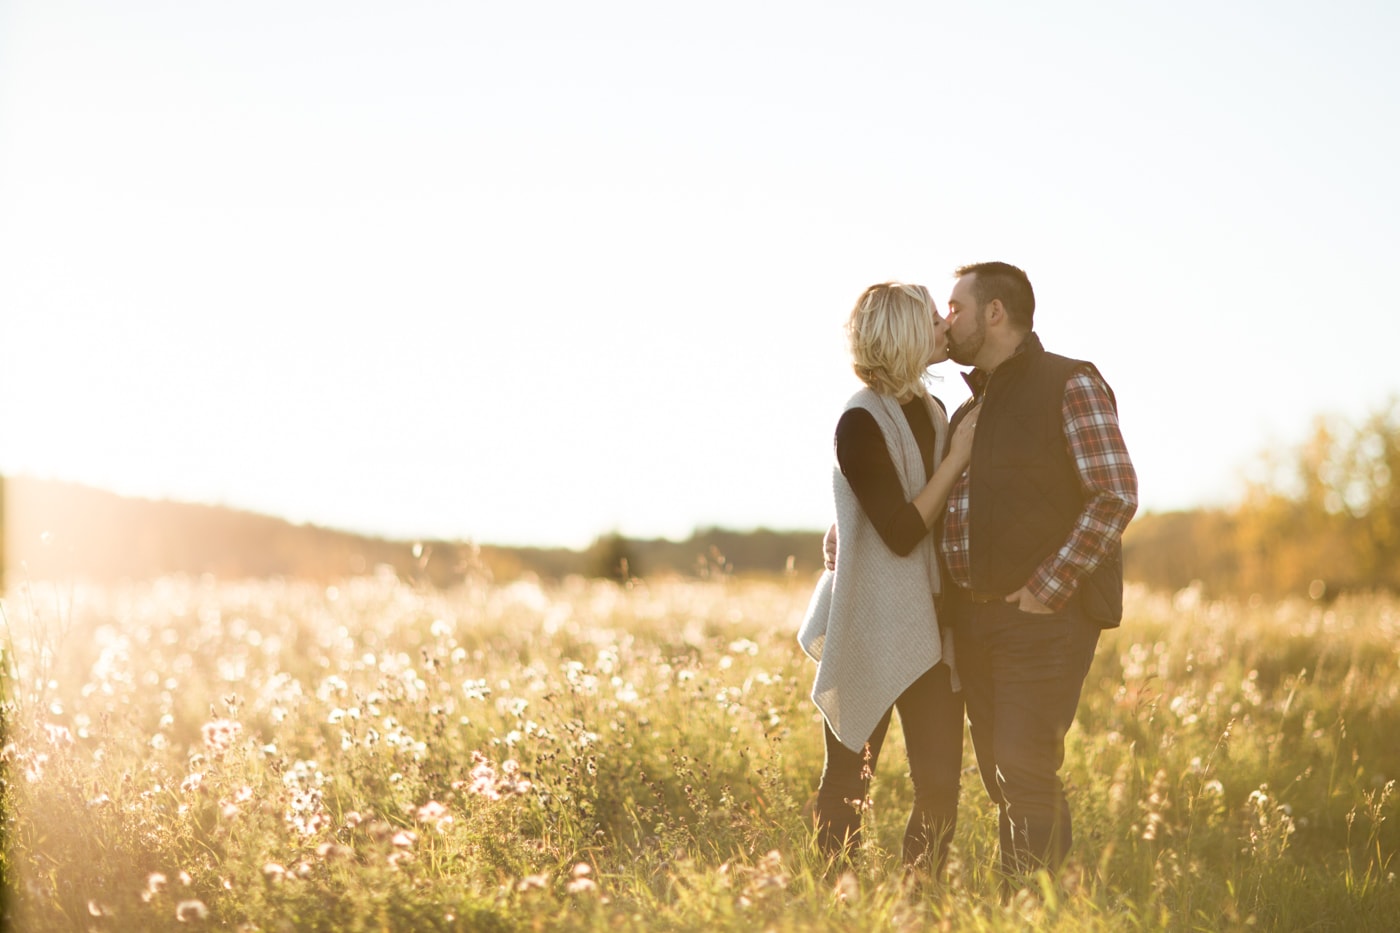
x=965 y=351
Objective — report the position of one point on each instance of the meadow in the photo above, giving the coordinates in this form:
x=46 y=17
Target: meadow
x=281 y=756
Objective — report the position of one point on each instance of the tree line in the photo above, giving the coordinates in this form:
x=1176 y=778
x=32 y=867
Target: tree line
x=60 y=530
x=1320 y=519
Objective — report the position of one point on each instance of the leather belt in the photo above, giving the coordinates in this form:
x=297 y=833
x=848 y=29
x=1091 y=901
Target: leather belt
x=980 y=597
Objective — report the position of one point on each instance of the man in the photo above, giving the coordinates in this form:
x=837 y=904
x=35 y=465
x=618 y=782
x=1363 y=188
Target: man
x=1031 y=542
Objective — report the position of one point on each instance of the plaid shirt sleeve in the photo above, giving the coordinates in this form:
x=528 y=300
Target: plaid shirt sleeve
x=1108 y=480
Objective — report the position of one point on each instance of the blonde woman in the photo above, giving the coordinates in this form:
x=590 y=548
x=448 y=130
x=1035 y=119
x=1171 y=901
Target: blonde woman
x=872 y=625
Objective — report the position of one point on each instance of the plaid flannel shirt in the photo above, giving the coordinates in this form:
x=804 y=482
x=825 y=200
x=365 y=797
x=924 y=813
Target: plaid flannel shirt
x=1109 y=483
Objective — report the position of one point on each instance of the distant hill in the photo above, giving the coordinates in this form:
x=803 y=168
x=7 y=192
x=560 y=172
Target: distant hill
x=55 y=529
x=64 y=530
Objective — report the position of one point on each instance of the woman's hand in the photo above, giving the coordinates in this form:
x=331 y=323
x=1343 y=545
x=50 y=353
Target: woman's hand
x=934 y=496
x=960 y=448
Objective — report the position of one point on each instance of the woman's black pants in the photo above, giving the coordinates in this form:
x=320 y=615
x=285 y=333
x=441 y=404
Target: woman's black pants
x=931 y=715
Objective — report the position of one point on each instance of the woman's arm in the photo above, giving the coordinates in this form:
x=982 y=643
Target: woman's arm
x=865 y=462
x=934 y=496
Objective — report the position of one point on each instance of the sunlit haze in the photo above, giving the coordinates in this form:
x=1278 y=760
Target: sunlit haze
x=527 y=273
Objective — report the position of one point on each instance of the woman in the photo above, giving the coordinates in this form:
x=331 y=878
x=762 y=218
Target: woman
x=872 y=625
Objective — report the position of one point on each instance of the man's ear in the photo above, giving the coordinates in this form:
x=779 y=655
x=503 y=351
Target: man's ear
x=996 y=312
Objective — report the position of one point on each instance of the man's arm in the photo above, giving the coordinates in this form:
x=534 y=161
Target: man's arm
x=1109 y=483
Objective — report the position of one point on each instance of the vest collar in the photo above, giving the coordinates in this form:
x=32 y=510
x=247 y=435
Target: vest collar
x=977 y=379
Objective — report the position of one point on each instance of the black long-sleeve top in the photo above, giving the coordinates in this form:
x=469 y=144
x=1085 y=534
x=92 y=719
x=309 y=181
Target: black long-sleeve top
x=865 y=461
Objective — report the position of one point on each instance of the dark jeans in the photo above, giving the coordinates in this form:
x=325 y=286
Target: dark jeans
x=1022 y=675
x=931 y=715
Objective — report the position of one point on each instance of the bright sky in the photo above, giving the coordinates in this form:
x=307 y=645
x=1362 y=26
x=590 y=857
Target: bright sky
x=530 y=272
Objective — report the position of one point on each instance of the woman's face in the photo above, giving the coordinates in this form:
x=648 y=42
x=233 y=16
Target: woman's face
x=939 y=352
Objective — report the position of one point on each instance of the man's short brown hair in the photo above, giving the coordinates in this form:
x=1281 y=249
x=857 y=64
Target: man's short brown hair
x=1007 y=282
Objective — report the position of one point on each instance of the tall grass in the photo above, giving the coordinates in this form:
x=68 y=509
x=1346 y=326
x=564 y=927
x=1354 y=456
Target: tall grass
x=277 y=756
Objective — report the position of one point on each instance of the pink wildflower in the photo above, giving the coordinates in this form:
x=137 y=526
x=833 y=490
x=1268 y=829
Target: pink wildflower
x=436 y=813
x=220 y=736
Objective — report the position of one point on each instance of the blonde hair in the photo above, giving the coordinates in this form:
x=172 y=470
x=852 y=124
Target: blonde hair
x=891 y=337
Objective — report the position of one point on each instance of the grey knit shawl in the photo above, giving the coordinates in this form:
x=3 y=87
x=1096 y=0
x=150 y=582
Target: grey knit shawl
x=871 y=625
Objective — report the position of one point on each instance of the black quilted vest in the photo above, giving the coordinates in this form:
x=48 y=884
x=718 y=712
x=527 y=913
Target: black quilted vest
x=1025 y=492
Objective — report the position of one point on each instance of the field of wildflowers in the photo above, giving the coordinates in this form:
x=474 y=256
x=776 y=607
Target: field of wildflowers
x=191 y=754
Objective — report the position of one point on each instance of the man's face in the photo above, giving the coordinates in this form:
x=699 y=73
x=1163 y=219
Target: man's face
x=967 y=322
